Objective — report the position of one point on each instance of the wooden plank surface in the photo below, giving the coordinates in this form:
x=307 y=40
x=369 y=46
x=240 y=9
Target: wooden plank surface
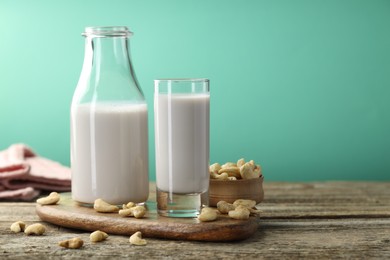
x=362 y=231
x=326 y=200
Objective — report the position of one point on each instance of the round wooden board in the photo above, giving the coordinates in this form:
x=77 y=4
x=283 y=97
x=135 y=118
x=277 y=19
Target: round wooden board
x=69 y=214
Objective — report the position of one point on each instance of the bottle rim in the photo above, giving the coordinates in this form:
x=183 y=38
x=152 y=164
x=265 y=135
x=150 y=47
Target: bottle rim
x=107 y=31
x=182 y=80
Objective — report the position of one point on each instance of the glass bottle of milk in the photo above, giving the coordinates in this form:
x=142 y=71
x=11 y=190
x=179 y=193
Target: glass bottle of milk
x=109 y=131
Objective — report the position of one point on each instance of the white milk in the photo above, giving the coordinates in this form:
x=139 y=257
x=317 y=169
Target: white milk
x=109 y=152
x=182 y=142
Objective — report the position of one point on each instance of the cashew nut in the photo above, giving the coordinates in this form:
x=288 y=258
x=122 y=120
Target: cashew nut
x=137 y=212
x=240 y=162
x=246 y=203
x=52 y=199
x=255 y=212
x=224 y=207
x=125 y=212
x=214 y=168
x=222 y=176
x=207 y=214
x=231 y=171
x=207 y=209
x=18 y=226
x=240 y=213
x=228 y=164
x=98 y=236
x=35 y=229
x=128 y=205
x=73 y=243
x=235 y=171
x=136 y=239
x=257 y=170
x=104 y=207
x=247 y=171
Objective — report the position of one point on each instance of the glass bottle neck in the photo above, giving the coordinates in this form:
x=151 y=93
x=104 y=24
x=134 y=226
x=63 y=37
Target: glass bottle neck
x=109 y=54
x=107 y=72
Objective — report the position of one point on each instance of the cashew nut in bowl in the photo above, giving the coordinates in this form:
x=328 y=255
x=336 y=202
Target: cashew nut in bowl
x=247 y=171
x=229 y=164
x=236 y=171
x=257 y=170
x=240 y=162
x=214 y=168
x=222 y=176
x=232 y=171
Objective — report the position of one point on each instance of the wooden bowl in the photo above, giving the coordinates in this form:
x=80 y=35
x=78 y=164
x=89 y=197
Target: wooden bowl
x=230 y=191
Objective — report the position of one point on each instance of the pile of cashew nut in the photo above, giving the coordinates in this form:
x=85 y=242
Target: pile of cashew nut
x=128 y=210
x=33 y=229
x=241 y=209
x=99 y=236
x=235 y=171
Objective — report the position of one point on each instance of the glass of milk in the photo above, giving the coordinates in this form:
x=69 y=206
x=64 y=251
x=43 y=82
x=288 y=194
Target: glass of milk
x=109 y=117
x=182 y=119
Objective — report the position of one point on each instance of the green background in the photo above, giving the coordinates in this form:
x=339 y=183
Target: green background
x=302 y=87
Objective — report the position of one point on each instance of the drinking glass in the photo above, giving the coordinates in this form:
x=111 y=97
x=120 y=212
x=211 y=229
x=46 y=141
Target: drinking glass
x=182 y=123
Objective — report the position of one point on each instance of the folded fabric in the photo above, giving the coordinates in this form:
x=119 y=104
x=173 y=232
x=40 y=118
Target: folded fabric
x=23 y=174
x=26 y=194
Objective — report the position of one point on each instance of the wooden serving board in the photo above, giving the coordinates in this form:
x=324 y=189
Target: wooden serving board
x=69 y=214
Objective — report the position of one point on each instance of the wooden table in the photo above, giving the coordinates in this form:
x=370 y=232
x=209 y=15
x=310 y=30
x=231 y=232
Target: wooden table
x=300 y=220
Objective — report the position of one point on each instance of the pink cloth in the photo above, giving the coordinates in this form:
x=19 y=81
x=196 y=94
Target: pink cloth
x=23 y=174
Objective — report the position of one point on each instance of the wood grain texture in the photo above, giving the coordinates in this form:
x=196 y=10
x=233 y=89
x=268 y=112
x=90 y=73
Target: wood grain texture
x=326 y=200
x=364 y=232
x=229 y=191
x=68 y=214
